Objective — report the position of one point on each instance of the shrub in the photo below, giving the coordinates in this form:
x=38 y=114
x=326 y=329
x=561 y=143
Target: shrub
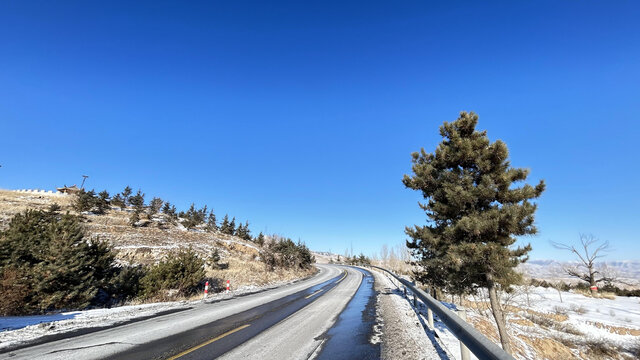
x=560 y=310
x=214 y=259
x=125 y=284
x=600 y=349
x=286 y=254
x=578 y=309
x=182 y=271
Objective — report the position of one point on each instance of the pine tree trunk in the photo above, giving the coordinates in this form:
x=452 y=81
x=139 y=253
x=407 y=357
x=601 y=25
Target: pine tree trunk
x=498 y=315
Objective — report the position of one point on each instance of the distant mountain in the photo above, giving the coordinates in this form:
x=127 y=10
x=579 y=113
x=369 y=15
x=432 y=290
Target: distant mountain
x=626 y=270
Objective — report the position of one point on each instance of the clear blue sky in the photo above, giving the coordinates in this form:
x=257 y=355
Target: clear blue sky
x=301 y=116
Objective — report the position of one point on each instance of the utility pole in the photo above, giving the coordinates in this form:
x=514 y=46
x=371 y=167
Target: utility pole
x=84 y=177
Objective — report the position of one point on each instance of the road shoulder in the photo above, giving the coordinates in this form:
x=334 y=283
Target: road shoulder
x=403 y=336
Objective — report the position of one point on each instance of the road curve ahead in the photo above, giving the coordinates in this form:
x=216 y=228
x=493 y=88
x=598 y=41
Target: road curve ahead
x=301 y=335
x=286 y=322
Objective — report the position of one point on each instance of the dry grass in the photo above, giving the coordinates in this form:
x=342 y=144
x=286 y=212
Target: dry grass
x=547 y=348
x=615 y=329
x=599 y=349
x=598 y=295
x=244 y=273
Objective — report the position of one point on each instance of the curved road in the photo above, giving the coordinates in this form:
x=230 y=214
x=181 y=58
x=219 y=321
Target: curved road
x=289 y=322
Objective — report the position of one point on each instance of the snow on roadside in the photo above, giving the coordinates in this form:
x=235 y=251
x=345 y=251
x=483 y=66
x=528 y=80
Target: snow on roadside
x=15 y=330
x=403 y=335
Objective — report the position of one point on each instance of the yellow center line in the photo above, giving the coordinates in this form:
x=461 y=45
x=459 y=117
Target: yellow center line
x=343 y=276
x=208 y=342
x=306 y=297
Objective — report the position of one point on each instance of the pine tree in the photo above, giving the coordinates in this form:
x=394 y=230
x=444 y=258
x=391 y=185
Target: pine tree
x=57 y=267
x=475 y=214
x=166 y=208
x=225 y=226
x=232 y=226
x=137 y=201
x=190 y=217
x=260 y=239
x=246 y=233
x=211 y=222
x=85 y=201
x=118 y=201
x=154 y=206
x=102 y=202
x=126 y=193
x=240 y=231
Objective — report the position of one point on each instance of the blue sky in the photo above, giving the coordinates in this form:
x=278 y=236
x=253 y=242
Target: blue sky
x=301 y=116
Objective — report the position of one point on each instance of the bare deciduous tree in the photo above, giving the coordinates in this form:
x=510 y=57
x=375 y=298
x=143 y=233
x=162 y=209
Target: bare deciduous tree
x=590 y=249
x=384 y=254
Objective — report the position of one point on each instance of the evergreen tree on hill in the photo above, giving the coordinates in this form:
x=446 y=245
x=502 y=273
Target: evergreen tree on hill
x=243 y=231
x=211 y=221
x=137 y=201
x=126 y=193
x=232 y=226
x=189 y=216
x=474 y=212
x=54 y=265
x=155 y=205
x=102 y=202
x=259 y=239
x=118 y=201
x=225 y=227
x=166 y=208
x=84 y=201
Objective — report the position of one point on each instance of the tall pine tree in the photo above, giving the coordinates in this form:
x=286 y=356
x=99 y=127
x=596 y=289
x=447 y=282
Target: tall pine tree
x=474 y=212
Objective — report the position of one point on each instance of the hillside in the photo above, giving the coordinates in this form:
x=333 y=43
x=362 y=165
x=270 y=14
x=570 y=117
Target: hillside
x=627 y=271
x=158 y=237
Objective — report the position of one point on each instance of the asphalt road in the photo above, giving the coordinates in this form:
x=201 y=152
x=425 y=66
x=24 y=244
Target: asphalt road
x=290 y=322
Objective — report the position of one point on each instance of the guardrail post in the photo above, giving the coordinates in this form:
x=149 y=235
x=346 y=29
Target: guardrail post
x=464 y=351
x=430 y=318
x=404 y=289
x=415 y=301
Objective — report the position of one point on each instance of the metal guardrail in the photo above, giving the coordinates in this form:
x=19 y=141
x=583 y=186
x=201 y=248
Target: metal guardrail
x=477 y=343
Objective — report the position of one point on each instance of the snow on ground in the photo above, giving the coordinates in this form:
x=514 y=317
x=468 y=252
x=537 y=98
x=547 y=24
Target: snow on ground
x=620 y=311
x=403 y=333
x=19 y=329
x=615 y=321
